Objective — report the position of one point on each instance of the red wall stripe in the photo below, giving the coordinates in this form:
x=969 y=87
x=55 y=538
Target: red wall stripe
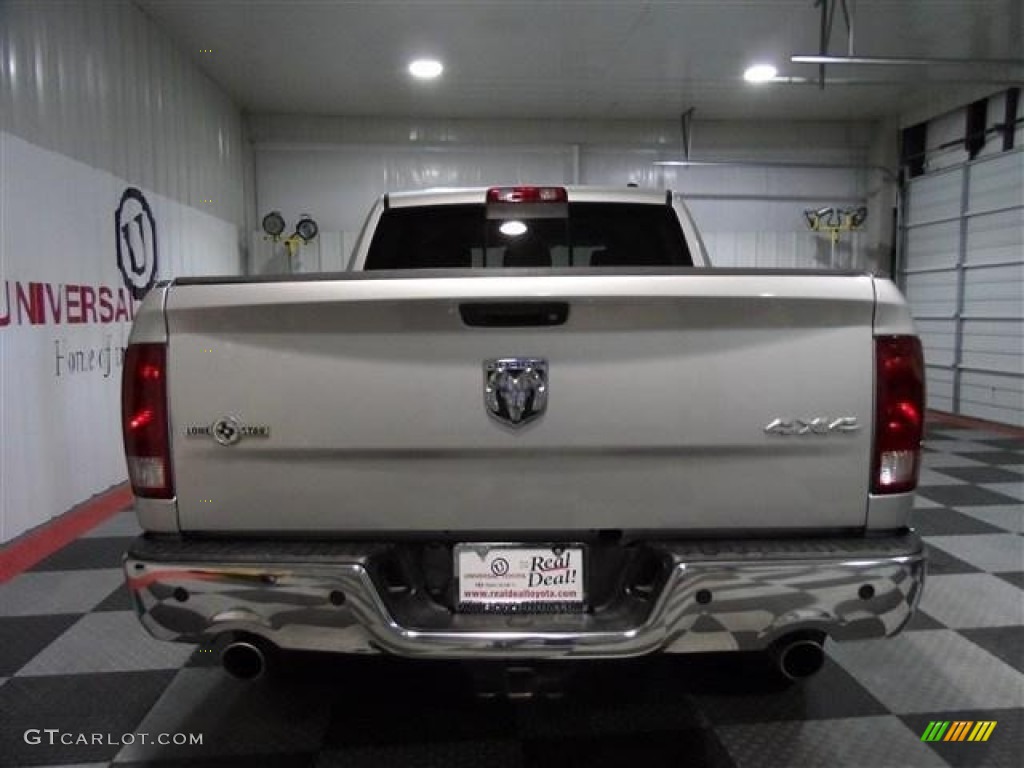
x=39 y=543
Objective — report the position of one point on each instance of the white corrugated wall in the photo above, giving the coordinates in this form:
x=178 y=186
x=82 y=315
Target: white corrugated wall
x=333 y=169
x=94 y=99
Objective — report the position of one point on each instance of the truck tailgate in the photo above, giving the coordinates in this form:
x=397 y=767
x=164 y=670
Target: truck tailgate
x=660 y=389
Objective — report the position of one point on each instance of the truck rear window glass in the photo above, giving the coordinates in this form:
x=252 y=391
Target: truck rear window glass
x=585 y=235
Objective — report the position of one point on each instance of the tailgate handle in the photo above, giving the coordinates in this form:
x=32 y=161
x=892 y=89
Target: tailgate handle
x=517 y=314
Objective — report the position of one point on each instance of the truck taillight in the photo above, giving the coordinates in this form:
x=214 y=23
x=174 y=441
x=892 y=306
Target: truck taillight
x=899 y=413
x=527 y=195
x=144 y=420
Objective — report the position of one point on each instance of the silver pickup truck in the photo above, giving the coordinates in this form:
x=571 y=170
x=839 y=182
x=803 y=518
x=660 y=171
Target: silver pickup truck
x=529 y=423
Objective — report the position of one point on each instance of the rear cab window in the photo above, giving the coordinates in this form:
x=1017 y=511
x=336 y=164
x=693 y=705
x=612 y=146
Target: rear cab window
x=532 y=235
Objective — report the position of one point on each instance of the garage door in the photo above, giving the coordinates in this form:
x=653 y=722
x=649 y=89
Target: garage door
x=963 y=273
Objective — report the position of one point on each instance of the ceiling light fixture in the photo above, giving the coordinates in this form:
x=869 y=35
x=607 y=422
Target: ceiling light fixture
x=426 y=69
x=897 y=61
x=760 y=73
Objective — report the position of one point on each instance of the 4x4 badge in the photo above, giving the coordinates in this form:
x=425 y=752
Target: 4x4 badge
x=228 y=430
x=516 y=389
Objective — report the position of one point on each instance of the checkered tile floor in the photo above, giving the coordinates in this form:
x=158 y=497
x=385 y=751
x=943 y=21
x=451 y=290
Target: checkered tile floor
x=73 y=657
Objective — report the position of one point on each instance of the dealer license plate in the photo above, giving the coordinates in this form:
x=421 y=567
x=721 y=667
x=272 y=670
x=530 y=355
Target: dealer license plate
x=511 y=578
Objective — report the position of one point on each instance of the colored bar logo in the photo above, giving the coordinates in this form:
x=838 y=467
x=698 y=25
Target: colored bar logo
x=958 y=730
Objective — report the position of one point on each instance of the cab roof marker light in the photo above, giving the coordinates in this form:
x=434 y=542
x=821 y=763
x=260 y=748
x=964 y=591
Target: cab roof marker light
x=527 y=195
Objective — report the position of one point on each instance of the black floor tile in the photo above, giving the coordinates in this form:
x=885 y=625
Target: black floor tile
x=668 y=748
x=831 y=693
x=118 y=600
x=922 y=621
x=940 y=561
x=1017 y=579
x=1004 y=748
x=459 y=754
x=1006 y=643
x=940 y=521
x=110 y=703
x=1004 y=443
x=22 y=637
x=981 y=474
x=249 y=761
x=964 y=496
x=418 y=716
x=997 y=458
x=85 y=554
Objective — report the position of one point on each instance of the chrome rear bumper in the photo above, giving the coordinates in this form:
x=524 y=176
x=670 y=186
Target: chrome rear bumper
x=715 y=597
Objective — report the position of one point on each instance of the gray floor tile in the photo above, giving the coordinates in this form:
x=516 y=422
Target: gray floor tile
x=973 y=600
x=938 y=460
x=74 y=704
x=112 y=641
x=86 y=554
x=883 y=742
x=931 y=671
x=1009 y=517
x=1000 y=458
x=1014 y=490
x=1006 y=643
x=1004 y=748
x=118 y=600
x=943 y=521
x=990 y=552
x=940 y=561
x=36 y=593
x=938 y=477
x=958 y=433
x=234 y=716
x=23 y=637
x=956 y=446
x=987 y=475
x=121 y=524
x=921 y=621
x=920 y=502
x=1017 y=579
x=964 y=495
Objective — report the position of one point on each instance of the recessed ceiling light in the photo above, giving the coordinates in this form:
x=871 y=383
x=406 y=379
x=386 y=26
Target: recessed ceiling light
x=760 y=73
x=426 y=69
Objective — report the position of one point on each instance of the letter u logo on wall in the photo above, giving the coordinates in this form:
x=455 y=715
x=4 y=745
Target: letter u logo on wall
x=136 y=242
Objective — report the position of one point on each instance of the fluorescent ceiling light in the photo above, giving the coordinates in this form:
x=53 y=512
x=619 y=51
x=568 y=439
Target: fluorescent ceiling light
x=760 y=73
x=426 y=69
x=895 y=61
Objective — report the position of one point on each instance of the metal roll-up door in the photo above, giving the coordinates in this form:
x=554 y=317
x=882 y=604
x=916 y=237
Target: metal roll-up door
x=992 y=339
x=963 y=274
x=930 y=275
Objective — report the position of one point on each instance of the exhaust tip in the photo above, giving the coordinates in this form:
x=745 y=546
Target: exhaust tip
x=800 y=659
x=243 y=660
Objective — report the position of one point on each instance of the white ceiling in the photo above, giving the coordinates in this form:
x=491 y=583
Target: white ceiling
x=585 y=58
